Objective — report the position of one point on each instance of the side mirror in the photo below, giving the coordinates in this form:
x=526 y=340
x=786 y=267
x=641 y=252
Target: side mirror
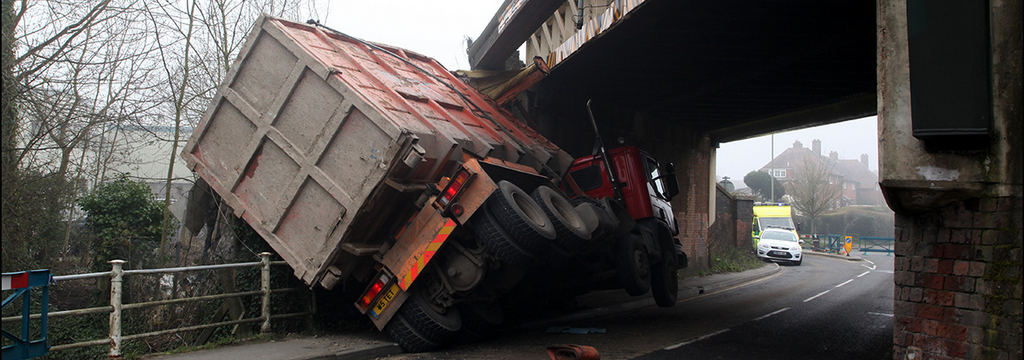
x=671 y=185
x=670 y=168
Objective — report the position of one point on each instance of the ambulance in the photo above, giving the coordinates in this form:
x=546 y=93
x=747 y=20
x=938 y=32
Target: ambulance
x=774 y=215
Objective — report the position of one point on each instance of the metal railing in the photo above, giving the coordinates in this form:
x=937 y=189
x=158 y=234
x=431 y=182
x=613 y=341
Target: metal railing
x=117 y=273
x=876 y=244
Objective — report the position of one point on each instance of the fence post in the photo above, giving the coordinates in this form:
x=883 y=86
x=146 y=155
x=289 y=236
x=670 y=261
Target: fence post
x=116 y=276
x=265 y=288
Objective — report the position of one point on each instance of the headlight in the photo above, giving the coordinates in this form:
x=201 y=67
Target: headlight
x=762 y=244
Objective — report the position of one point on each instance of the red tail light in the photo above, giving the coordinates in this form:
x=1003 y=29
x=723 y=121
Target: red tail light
x=375 y=289
x=458 y=181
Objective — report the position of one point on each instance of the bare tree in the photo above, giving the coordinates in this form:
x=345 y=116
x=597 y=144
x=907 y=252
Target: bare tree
x=814 y=188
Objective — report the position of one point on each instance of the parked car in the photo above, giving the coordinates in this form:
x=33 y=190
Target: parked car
x=780 y=244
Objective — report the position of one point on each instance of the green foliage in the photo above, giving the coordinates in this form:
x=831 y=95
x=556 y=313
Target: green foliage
x=761 y=183
x=122 y=214
x=726 y=258
x=33 y=225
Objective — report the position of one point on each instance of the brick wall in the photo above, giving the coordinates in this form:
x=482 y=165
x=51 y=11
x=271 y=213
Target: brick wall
x=693 y=212
x=733 y=217
x=958 y=281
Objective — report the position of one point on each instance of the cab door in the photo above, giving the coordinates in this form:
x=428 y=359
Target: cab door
x=659 y=186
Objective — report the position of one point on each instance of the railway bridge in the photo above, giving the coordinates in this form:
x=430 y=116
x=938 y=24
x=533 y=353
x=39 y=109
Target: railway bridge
x=679 y=77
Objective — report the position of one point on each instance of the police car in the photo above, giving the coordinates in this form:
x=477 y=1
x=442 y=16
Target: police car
x=780 y=244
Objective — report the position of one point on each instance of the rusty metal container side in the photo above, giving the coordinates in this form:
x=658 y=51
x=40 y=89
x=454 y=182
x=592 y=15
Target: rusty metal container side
x=314 y=134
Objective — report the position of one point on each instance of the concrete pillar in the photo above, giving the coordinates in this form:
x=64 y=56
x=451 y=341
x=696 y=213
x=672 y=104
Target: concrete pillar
x=958 y=214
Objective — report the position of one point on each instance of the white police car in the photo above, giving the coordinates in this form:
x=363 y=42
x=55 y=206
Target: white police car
x=780 y=244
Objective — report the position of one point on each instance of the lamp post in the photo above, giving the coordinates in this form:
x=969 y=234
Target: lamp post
x=771 y=196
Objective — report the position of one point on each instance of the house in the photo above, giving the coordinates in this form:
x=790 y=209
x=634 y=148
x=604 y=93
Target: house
x=858 y=183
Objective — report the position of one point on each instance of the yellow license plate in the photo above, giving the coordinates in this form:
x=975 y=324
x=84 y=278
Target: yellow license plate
x=384 y=300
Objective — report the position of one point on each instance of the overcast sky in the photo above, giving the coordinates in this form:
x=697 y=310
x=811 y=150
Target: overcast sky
x=849 y=138
x=438 y=29
x=435 y=28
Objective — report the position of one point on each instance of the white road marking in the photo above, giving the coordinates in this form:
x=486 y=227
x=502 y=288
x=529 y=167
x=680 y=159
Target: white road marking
x=847 y=282
x=772 y=313
x=872 y=262
x=815 y=296
x=879 y=314
x=872 y=267
x=865 y=273
x=676 y=346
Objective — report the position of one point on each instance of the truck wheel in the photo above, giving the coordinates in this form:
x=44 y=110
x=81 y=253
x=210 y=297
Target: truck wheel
x=571 y=231
x=495 y=239
x=479 y=320
x=633 y=265
x=420 y=326
x=520 y=216
x=665 y=274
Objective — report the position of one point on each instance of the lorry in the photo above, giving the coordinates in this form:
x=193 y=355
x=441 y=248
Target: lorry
x=772 y=215
x=362 y=163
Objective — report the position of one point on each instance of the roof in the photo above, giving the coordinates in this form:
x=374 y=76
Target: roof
x=856 y=171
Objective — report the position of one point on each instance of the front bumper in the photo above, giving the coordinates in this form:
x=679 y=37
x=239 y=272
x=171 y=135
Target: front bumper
x=780 y=253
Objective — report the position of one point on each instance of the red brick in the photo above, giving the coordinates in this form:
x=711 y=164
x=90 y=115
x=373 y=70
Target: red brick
x=909 y=324
x=957 y=332
x=977 y=269
x=959 y=283
x=946 y=267
x=961 y=268
x=916 y=294
x=975 y=335
x=930 y=266
x=954 y=349
x=932 y=312
x=931 y=327
x=931 y=281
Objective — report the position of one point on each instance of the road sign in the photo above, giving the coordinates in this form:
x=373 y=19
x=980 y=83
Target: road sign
x=848 y=244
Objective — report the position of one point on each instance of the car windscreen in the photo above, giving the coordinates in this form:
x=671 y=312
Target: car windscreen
x=779 y=235
x=784 y=222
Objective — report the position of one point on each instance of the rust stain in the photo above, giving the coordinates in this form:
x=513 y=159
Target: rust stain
x=254 y=164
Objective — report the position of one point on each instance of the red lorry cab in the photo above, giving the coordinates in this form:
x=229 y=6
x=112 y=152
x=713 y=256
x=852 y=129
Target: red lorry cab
x=643 y=182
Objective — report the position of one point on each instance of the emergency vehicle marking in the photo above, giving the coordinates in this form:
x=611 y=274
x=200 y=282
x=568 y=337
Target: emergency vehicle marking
x=435 y=244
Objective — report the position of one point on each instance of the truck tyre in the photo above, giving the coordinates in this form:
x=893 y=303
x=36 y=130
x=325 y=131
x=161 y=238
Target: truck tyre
x=571 y=231
x=665 y=274
x=521 y=217
x=419 y=327
x=498 y=242
x=479 y=320
x=632 y=265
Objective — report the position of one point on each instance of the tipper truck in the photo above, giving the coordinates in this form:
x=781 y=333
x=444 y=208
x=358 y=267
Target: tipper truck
x=372 y=165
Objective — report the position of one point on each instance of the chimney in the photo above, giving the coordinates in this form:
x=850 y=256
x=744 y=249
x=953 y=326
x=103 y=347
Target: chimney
x=864 y=160
x=816 y=147
x=834 y=156
x=798 y=145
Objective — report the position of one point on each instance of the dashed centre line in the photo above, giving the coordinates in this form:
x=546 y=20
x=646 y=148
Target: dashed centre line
x=865 y=273
x=705 y=337
x=844 y=283
x=815 y=296
x=771 y=313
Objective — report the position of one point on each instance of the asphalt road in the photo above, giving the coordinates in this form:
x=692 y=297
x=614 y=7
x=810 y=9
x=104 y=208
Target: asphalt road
x=825 y=309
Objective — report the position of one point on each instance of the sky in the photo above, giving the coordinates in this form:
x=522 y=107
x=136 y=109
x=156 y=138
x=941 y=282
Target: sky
x=849 y=138
x=439 y=28
x=436 y=28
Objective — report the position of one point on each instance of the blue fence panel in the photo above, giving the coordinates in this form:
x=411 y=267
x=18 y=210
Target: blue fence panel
x=22 y=283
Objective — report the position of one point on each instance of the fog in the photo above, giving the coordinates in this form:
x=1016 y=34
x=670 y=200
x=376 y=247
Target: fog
x=849 y=138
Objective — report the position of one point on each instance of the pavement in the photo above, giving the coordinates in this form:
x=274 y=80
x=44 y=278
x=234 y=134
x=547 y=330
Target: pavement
x=371 y=345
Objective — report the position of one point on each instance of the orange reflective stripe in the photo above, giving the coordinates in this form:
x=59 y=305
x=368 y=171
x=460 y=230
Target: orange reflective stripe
x=428 y=254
